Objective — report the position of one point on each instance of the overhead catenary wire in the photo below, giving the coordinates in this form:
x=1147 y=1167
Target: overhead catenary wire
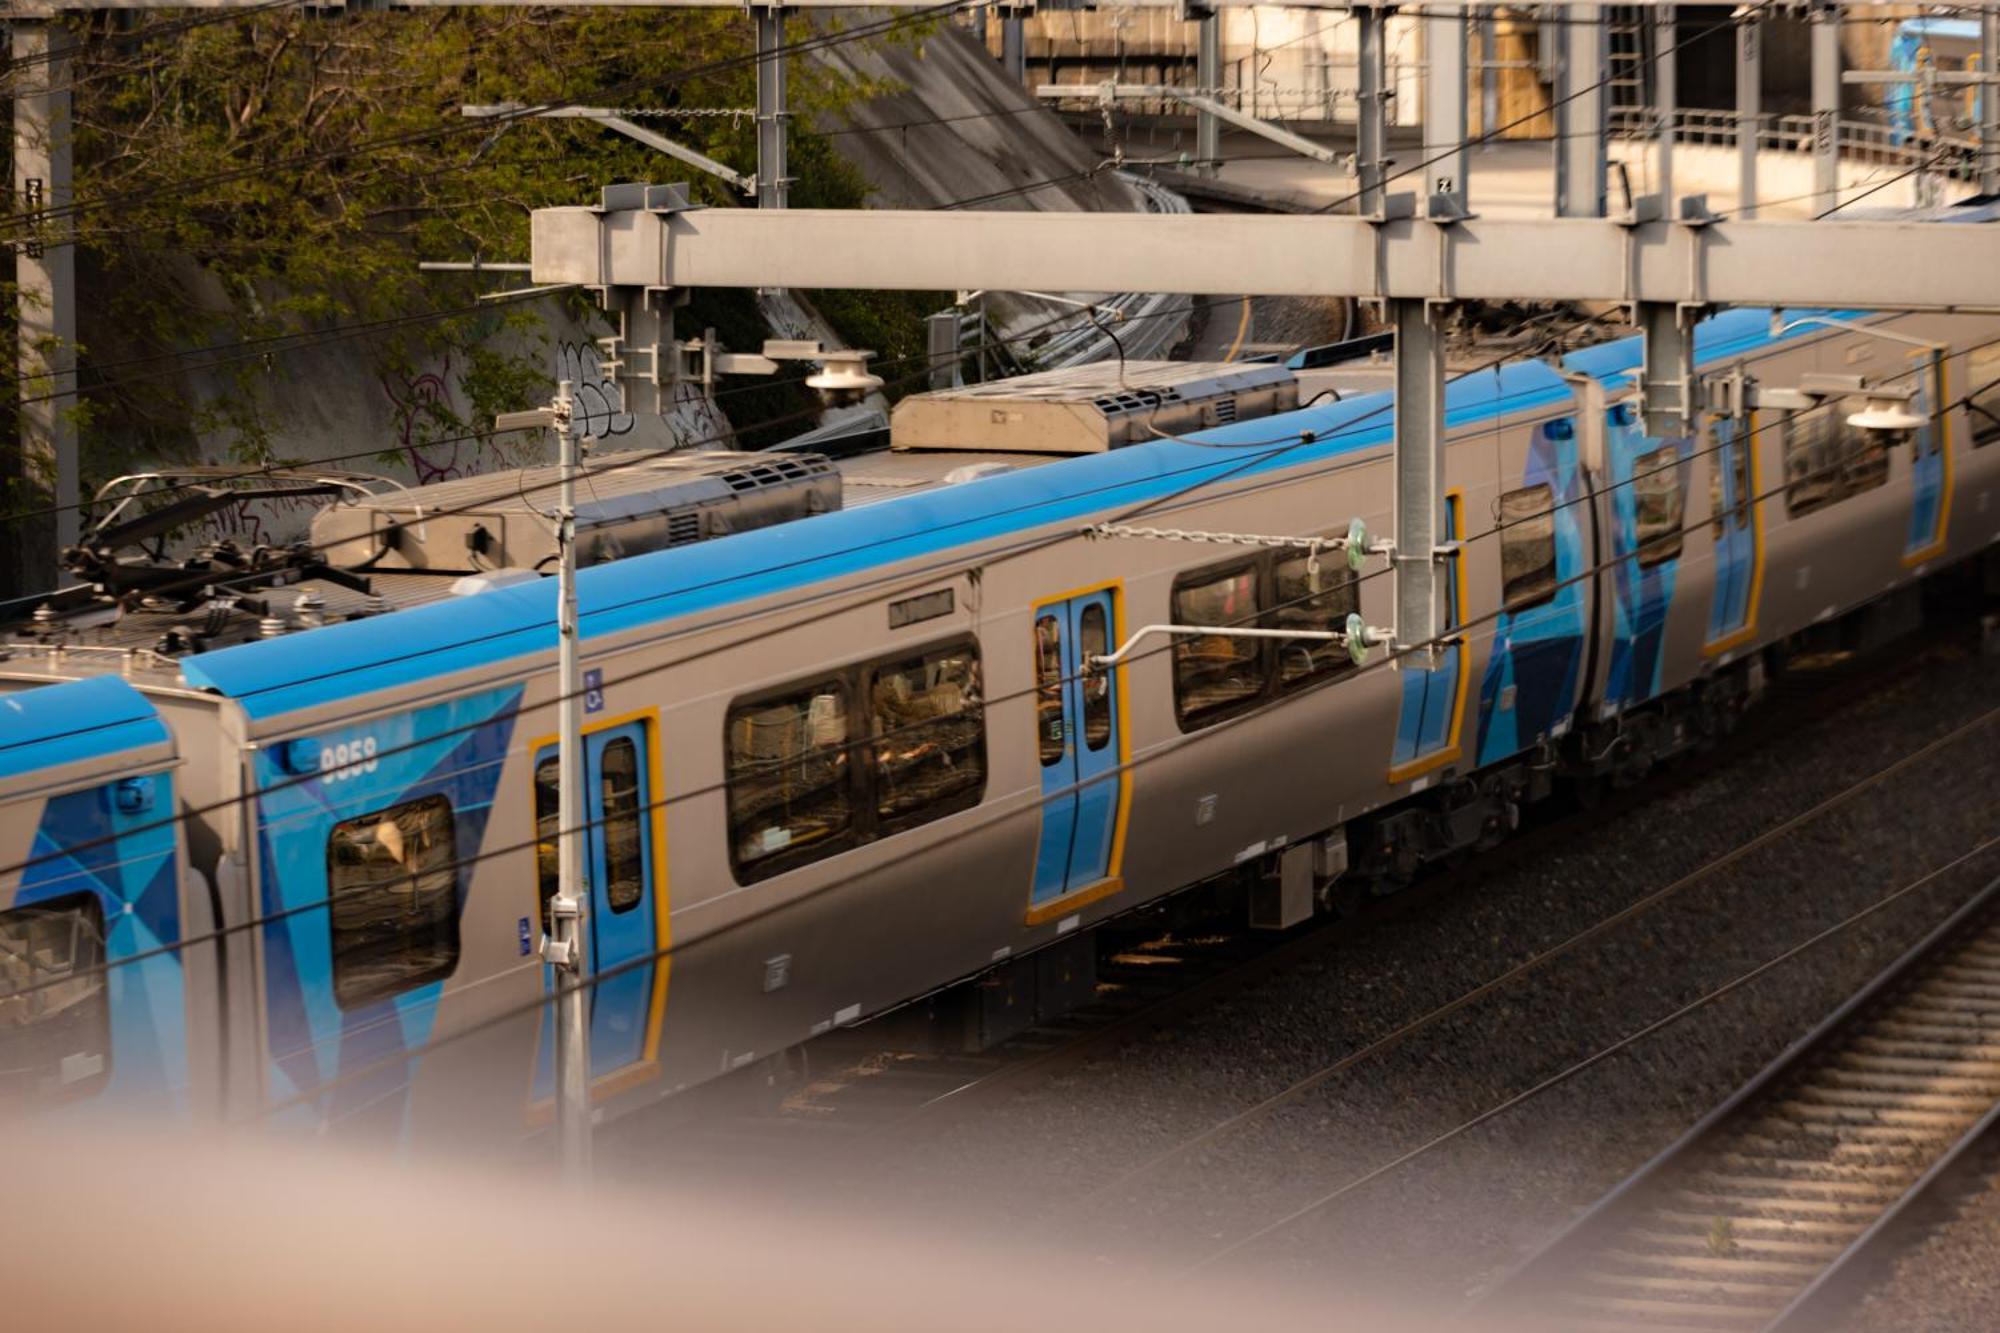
x=1453 y=636
x=485 y=125
x=920 y=577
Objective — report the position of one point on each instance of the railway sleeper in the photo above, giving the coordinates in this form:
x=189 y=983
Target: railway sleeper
x=1731 y=1316
x=1691 y=1288
x=1754 y=1186
x=1820 y=1168
x=1705 y=1265
x=1696 y=1239
x=1892 y=1097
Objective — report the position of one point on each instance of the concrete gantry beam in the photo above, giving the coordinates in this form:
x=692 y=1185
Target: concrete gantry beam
x=45 y=271
x=1581 y=158
x=1749 y=109
x=1446 y=163
x=1419 y=468
x=1853 y=265
x=773 y=176
x=1825 y=20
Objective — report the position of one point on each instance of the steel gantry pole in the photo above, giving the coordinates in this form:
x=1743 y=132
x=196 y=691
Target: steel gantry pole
x=1419 y=449
x=773 y=179
x=1371 y=150
x=568 y=909
x=45 y=302
x=1446 y=163
x=1826 y=103
x=1989 y=103
x=1749 y=109
x=1666 y=100
x=1579 y=150
x=1014 y=43
x=1208 y=77
x=1667 y=378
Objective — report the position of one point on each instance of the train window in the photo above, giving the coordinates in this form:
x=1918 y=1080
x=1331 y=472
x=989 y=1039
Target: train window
x=1049 y=689
x=1296 y=604
x=624 y=839
x=392 y=891
x=1216 y=672
x=1527 y=546
x=1728 y=451
x=1093 y=634
x=789 y=787
x=548 y=833
x=55 y=1012
x=1982 y=406
x=1658 y=505
x=928 y=736
x=1828 y=460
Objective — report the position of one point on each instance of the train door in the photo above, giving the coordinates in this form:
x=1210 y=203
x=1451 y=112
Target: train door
x=1736 y=528
x=1930 y=467
x=1427 y=729
x=1080 y=738
x=1647 y=503
x=619 y=855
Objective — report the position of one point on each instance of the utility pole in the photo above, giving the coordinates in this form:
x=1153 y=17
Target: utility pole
x=563 y=947
x=45 y=271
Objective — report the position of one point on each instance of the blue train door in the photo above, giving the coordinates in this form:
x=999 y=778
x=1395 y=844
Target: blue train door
x=1733 y=502
x=1930 y=468
x=1433 y=707
x=1079 y=731
x=618 y=862
x=1648 y=503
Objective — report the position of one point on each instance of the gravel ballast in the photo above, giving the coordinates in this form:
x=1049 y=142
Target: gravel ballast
x=1438 y=1228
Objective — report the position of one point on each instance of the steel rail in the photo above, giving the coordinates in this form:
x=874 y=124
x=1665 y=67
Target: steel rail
x=1762 y=1302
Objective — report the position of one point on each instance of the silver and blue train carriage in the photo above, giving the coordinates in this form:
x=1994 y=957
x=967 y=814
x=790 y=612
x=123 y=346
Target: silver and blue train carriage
x=841 y=762
x=96 y=1001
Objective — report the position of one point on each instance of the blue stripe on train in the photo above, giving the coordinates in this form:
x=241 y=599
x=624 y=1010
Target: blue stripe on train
x=274 y=677
x=312 y=1040
x=54 y=725
x=116 y=843
x=1538 y=652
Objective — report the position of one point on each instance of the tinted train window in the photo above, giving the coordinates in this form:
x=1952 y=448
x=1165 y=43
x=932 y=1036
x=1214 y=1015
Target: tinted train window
x=789 y=788
x=1295 y=604
x=1735 y=456
x=392 y=889
x=928 y=735
x=624 y=840
x=1094 y=640
x=1658 y=505
x=1049 y=689
x=55 y=1013
x=1982 y=407
x=1527 y=546
x=1216 y=672
x=548 y=833
x=1827 y=460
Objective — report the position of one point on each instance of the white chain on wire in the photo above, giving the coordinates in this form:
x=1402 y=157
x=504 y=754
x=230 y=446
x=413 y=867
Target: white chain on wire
x=689 y=112
x=1219 y=538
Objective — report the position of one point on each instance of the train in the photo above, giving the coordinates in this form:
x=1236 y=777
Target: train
x=285 y=860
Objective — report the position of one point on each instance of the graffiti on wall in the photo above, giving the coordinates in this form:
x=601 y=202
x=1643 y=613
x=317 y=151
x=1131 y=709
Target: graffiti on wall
x=600 y=407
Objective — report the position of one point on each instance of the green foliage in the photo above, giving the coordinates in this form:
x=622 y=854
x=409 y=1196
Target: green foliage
x=282 y=172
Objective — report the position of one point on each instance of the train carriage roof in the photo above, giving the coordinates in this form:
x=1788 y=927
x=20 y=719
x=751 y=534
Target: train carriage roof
x=276 y=677
x=55 y=733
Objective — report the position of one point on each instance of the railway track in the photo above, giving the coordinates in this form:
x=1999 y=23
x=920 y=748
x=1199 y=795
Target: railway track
x=1764 y=1214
